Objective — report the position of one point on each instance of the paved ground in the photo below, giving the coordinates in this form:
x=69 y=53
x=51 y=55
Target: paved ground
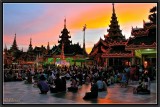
x=18 y=92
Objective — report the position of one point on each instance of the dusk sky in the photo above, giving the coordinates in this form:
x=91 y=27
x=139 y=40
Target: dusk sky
x=43 y=22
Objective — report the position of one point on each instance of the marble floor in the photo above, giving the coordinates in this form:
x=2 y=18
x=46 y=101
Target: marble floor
x=20 y=93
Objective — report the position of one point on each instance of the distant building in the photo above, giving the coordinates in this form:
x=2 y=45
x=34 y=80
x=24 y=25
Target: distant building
x=40 y=55
x=71 y=51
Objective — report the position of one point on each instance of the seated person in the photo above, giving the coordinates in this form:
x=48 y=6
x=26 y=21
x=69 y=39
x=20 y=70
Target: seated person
x=67 y=76
x=142 y=88
x=57 y=83
x=29 y=79
x=93 y=93
x=42 y=85
x=109 y=81
x=63 y=84
x=50 y=79
x=87 y=80
x=74 y=85
x=101 y=84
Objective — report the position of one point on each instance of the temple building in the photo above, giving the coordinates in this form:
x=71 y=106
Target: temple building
x=111 y=50
x=41 y=55
x=71 y=51
x=115 y=50
x=143 y=44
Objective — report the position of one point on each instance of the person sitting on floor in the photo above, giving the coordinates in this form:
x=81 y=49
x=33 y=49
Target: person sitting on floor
x=63 y=84
x=74 y=86
x=67 y=76
x=57 y=83
x=142 y=88
x=94 y=91
x=50 y=79
x=42 y=85
x=101 y=85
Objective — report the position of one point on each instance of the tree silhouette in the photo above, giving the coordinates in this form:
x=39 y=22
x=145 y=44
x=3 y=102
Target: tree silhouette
x=152 y=16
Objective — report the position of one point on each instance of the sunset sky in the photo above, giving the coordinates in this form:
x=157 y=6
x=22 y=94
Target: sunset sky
x=43 y=22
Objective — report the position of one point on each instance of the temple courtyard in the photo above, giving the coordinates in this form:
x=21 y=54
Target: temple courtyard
x=20 y=93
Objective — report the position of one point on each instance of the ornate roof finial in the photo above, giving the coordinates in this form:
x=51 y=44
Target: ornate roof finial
x=30 y=41
x=15 y=37
x=48 y=47
x=65 y=22
x=113 y=8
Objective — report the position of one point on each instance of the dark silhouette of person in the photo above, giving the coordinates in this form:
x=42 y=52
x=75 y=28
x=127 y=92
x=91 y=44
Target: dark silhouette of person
x=58 y=84
x=94 y=91
x=63 y=84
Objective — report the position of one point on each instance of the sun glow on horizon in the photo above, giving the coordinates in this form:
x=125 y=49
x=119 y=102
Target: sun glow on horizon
x=44 y=24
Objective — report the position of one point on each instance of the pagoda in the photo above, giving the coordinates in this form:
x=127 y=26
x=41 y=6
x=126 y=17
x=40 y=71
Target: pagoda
x=70 y=51
x=111 y=50
x=64 y=38
x=30 y=49
x=14 y=45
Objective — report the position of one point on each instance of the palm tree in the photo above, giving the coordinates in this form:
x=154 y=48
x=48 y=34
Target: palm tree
x=152 y=16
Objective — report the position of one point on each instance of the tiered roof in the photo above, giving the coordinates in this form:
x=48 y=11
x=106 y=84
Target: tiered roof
x=100 y=47
x=64 y=38
x=114 y=43
x=69 y=48
x=14 y=45
x=143 y=37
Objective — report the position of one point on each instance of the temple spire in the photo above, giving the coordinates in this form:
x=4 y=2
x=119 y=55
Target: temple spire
x=114 y=29
x=30 y=45
x=14 y=45
x=113 y=8
x=48 y=47
x=65 y=23
x=14 y=42
x=64 y=37
x=31 y=41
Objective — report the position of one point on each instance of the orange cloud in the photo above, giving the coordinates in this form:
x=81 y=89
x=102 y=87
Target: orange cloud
x=95 y=16
x=99 y=15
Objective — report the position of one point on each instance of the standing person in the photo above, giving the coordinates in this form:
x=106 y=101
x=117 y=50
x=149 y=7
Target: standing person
x=42 y=85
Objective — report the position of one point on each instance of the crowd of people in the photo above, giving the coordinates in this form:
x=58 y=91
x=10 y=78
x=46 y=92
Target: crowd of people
x=54 y=79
